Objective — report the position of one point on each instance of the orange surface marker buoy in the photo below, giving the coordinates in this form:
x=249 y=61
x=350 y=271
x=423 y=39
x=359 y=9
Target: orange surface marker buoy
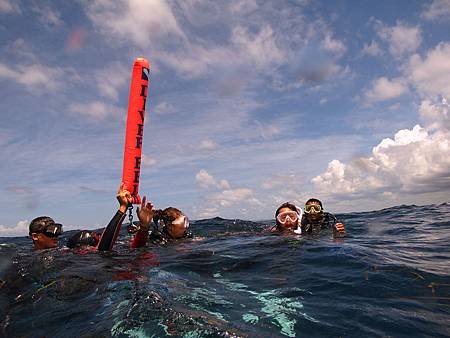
x=134 y=134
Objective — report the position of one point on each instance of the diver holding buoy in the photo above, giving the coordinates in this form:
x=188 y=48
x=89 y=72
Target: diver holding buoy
x=169 y=224
x=44 y=231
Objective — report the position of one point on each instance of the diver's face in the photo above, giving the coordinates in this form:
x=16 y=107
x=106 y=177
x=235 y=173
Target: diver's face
x=42 y=241
x=176 y=231
x=314 y=215
x=290 y=222
x=177 y=228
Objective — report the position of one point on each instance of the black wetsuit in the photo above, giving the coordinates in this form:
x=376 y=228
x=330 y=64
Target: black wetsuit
x=328 y=221
x=109 y=235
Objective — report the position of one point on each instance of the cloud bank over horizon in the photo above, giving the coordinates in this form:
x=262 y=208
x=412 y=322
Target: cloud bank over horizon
x=415 y=161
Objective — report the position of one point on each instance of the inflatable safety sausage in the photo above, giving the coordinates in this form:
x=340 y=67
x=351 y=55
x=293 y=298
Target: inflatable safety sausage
x=134 y=133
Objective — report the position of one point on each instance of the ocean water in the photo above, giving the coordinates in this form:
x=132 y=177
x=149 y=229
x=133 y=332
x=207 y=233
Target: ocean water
x=390 y=277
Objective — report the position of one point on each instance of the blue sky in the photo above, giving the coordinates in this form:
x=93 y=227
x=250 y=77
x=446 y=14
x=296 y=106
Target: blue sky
x=251 y=104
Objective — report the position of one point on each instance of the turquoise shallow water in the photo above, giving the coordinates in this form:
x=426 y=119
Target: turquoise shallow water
x=389 y=277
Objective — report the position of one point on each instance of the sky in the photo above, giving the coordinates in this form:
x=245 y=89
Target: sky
x=251 y=104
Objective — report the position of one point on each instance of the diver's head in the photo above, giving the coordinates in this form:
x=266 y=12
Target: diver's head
x=83 y=238
x=44 y=232
x=175 y=223
x=288 y=216
x=313 y=209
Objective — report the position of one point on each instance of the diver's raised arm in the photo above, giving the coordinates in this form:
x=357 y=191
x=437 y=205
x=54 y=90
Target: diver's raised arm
x=109 y=235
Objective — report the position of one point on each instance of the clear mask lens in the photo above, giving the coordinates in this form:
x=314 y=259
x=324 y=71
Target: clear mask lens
x=312 y=208
x=182 y=220
x=286 y=216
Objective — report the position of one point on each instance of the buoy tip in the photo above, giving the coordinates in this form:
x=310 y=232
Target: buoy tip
x=143 y=61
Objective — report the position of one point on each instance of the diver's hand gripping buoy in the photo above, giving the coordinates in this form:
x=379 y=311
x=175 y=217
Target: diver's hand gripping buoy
x=134 y=133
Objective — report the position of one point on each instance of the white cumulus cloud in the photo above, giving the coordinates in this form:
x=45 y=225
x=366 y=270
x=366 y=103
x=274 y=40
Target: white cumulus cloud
x=154 y=23
x=335 y=46
x=142 y=21
x=431 y=75
x=401 y=38
x=48 y=17
x=35 y=77
x=222 y=198
x=372 y=49
x=231 y=197
x=207 y=145
x=21 y=229
x=205 y=180
x=384 y=89
x=415 y=161
x=147 y=161
x=243 y=6
x=437 y=10
x=436 y=114
x=260 y=49
x=164 y=108
x=112 y=79
x=96 y=110
x=257 y=50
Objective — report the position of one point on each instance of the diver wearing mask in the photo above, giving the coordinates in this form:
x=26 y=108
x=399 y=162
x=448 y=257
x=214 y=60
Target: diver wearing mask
x=287 y=218
x=44 y=232
x=315 y=219
x=83 y=239
x=170 y=224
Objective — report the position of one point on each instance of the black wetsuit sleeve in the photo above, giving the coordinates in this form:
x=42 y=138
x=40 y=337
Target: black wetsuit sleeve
x=305 y=225
x=111 y=232
x=332 y=220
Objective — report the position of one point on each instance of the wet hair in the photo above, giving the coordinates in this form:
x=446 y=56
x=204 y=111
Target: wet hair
x=167 y=215
x=290 y=206
x=286 y=205
x=83 y=238
x=40 y=223
x=315 y=200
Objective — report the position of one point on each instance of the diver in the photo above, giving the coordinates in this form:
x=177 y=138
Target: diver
x=111 y=232
x=44 y=232
x=287 y=218
x=169 y=225
x=83 y=239
x=315 y=219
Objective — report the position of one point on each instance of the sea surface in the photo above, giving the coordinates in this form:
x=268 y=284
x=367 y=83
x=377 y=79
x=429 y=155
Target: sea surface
x=390 y=277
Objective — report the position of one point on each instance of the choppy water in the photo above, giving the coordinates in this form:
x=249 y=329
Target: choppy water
x=389 y=277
